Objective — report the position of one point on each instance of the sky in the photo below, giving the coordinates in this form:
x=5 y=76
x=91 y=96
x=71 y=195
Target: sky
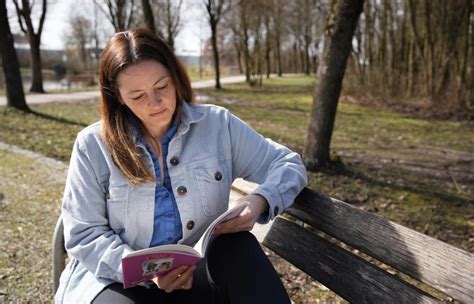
x=187 y=42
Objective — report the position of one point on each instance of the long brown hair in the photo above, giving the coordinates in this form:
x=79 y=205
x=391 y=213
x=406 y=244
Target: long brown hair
x=122 y=50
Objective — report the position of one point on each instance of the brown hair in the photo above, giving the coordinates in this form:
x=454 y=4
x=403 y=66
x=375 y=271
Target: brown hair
x=122 y=50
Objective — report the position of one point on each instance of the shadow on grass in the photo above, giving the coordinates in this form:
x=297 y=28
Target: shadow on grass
x=57 y=119
x=422 y=189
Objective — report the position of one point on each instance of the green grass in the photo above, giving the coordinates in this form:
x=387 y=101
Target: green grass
x=50 y=136
x=30 y=193
x=394 y=165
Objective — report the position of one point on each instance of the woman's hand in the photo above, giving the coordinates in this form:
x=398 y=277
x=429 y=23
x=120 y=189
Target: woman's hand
x=178 y=278
x=247 y=218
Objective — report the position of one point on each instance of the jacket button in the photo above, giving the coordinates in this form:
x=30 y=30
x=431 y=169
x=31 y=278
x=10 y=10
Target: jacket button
x=190 y=225
x=218 y=176
x=174 y=161
x=182 y=190
x=275 y=210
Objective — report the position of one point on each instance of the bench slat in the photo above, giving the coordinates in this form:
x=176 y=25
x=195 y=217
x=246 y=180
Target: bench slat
x=348 y=275
x=424 y=258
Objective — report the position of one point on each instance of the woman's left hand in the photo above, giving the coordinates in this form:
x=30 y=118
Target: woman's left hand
x=247 y=218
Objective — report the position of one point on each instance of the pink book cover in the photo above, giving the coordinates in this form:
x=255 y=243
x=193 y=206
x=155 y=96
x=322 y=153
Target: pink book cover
x=145 y=264
x=142 y=268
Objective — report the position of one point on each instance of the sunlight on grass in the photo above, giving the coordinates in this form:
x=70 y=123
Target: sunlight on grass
x=395 y=165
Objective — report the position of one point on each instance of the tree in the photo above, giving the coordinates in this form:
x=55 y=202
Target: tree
x=278 y=19
x=119 y=12
x=11 y=68
x=34 y=38
x=170 y=21
x=81 y=37
x=148 y=14
x=215 y=10
x=338 y=43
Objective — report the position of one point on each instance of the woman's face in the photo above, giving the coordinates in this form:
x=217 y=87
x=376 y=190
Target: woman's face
x=148 y=90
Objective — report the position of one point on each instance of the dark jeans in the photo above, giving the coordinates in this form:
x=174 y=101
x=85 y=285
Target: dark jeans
x=240 y=272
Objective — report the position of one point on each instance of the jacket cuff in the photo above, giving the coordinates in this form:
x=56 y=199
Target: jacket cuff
x=275 y=203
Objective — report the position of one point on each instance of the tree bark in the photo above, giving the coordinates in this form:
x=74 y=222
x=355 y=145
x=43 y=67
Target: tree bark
x=34 y=39
x=215 y=11
x=11 y=68
x=328 y=88
x=148 y=14
x=215 y=52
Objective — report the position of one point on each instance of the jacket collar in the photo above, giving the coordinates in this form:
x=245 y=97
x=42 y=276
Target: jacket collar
x=190 y=114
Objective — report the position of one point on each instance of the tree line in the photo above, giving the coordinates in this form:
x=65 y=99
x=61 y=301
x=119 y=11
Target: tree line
x=397 y=48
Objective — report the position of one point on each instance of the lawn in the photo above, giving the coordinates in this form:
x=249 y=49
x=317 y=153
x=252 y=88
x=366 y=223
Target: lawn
x=416 y=172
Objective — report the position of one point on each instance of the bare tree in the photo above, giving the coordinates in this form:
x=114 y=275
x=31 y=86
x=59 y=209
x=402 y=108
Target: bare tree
x=215 y=9
x=11 y=68
x=278 y=32
x=338 y=41
x=81 y=37
x=34 y=38
x=118 y=12
x=170 y=19
x=148 y=14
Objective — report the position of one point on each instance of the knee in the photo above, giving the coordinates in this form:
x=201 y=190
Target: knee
x=241 y=245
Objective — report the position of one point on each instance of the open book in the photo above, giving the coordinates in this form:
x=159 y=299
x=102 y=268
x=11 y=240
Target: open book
x=143 y=265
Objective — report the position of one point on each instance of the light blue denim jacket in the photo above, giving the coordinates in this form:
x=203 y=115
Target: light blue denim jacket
x=105 y=217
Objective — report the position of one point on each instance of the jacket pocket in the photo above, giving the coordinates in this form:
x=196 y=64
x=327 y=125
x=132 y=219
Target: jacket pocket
x=214 y=188
x=117 y=198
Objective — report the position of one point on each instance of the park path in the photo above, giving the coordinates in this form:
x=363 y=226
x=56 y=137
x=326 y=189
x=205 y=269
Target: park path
x=88 y=95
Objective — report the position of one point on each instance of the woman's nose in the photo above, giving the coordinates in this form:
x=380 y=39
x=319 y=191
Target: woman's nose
x=156 y=98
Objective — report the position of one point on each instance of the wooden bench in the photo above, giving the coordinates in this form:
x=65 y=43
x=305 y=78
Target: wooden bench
x=360 y=256
x=82 y=80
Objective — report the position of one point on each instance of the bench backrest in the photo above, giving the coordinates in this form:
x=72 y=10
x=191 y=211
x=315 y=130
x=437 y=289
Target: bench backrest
x=360 y=279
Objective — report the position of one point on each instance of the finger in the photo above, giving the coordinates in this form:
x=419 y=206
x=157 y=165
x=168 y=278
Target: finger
x=229 y=226
x=189 y=283
x=181 y=281
x=164 y=281
x=241 y=223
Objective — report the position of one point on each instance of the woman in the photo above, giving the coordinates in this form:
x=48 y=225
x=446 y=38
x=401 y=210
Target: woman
x=157 y=169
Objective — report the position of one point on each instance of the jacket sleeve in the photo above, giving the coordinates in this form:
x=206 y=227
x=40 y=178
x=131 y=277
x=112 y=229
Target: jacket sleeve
x=88 y=236
x=279 y=171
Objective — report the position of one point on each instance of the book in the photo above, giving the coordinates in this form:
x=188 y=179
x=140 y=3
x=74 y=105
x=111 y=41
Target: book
x=145 y=264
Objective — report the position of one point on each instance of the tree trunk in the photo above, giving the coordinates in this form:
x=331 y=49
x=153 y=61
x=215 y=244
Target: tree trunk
x=148 y=14
x=278 y=54
x=37 y=76
x=337 y=47
x=239 y=56
x=11 y=68
x=215 y=52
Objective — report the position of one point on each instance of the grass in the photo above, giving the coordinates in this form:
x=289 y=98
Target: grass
x=51 y=131
x=404 y=168
x=28 y=212
x=413 y=171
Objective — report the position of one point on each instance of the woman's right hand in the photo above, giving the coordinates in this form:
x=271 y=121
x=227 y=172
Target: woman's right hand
x=178 y=278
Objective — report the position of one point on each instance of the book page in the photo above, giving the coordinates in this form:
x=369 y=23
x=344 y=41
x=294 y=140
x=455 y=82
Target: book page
x=201 y=245
x=165 y=248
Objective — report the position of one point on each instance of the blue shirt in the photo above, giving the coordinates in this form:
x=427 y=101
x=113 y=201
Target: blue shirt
x=167 y=223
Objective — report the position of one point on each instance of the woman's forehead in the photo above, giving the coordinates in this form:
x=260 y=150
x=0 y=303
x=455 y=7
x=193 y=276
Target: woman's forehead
x=142 y=74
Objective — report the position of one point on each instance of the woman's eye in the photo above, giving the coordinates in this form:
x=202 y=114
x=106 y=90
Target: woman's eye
x=137 y=98
x=162 y=87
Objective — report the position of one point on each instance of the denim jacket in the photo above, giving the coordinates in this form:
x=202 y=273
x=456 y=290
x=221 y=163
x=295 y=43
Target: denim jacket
x=106 y=217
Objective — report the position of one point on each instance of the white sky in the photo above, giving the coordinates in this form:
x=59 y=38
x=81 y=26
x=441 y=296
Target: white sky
x=59 y=11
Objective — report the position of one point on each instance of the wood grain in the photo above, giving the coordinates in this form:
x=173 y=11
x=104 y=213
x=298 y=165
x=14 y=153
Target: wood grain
x=348 y=275
x=424 y=258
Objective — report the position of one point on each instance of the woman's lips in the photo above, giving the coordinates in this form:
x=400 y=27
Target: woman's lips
x=157 y=113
